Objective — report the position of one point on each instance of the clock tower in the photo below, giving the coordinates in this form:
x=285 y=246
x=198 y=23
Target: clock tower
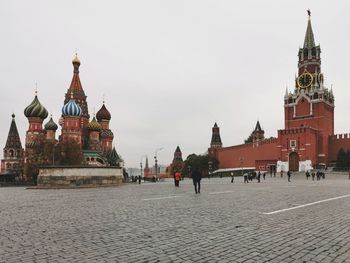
x=311 y=103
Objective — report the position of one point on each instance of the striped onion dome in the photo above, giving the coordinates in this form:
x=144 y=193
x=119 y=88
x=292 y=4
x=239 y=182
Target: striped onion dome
x=71 y=108
x=51 y=125
x=94 y=125
x=35 y=109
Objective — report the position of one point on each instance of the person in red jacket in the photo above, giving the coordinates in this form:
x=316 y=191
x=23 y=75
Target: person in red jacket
x=177 y=178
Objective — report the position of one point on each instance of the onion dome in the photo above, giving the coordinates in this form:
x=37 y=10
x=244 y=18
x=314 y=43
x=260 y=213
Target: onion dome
x=103 y=114
x=51 y=125
x=35 y=109
x=94 y=125
x=71 y=108
x=107 y=133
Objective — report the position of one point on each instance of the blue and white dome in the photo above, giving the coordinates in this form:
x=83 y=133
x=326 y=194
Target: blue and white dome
x=71 y=108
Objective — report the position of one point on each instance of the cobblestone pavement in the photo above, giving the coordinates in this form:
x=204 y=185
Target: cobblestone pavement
x=156 y=222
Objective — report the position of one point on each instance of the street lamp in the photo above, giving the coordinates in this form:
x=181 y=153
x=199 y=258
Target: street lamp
x=156 y=161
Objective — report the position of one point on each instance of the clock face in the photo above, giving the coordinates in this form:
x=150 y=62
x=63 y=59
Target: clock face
x=305 y=80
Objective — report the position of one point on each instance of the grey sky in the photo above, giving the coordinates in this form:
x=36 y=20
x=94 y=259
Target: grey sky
x=169 y=69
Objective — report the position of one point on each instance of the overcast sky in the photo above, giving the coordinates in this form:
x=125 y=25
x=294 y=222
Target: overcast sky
x=169 y=69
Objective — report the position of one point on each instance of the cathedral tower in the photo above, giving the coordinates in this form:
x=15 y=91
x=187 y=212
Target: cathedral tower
x=36 y=114
x=71 y=129
x=51 y=128
x=13 y=151
x=80 y=98
x=103 y=117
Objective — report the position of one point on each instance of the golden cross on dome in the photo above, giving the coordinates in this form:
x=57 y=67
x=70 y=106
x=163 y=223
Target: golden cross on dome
x=308 y=12
x=103 y=98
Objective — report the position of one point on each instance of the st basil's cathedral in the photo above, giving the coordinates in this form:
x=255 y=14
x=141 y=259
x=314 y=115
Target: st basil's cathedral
x=93 y=136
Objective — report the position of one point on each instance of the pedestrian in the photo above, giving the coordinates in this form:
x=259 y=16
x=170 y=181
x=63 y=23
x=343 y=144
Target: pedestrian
x=232 y=178
x=197 y=177
x=289 y=175
x=264 y=175
x=318 y=175
x=259 y=175
x=349 y=174
x=245 y=177
x=177 y=178
x=271 y=173
x=313 y=175
x=139 y=179
x=307 y=175
x=274 y=173
x=281 y=173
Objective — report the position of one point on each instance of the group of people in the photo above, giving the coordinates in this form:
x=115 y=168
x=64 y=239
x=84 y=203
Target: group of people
x=196 y=178
x=319 y=174
x=253 y=175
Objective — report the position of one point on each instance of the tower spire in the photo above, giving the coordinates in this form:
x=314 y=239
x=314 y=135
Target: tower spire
x=309 y=41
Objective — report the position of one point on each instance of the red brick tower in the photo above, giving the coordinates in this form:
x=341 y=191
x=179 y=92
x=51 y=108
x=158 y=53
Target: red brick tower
x=216 y=142
x=177 y=155
x=80 y=98
x=258 y=133
x=13 y=151
x=103 y=116
x=311 y=104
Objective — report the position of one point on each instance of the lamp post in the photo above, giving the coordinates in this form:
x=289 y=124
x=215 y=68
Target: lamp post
x=156 y=161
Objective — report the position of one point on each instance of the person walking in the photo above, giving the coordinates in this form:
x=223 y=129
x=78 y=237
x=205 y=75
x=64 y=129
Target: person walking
x=289 y=175
x=307 y=175
x=139 y=179
x=245 y=176
x=197 y=177
x=313 y=175
x=264 y=175
x=259 y=175
x=177 y=179
x=232 y=178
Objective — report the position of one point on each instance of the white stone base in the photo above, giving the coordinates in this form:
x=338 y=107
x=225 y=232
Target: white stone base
x=303 y=166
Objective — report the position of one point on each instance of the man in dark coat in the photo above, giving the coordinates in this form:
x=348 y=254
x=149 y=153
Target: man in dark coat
x=196 y=177
x=289 y=175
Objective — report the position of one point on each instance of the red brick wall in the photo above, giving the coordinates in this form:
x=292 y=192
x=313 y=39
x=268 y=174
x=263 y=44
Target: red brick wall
x=336 y=142
x=245 y=155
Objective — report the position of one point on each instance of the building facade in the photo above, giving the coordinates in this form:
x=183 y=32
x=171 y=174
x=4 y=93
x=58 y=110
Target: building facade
x=95 y=139
x=307 y=140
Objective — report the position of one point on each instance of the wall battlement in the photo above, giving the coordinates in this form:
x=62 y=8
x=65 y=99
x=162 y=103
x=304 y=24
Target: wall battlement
x=343 y=136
